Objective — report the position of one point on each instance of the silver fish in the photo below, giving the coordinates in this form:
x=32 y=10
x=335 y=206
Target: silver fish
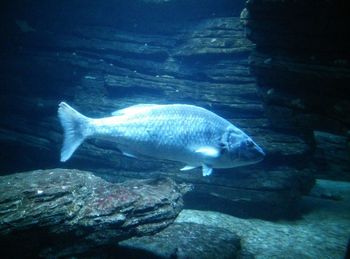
x=178 y=132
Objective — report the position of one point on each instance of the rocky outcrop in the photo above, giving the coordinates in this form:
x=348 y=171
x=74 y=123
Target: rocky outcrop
x=301 y=63
x=61 y=212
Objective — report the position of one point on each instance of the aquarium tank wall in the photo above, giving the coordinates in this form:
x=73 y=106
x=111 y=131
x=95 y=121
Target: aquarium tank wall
x=276 y=70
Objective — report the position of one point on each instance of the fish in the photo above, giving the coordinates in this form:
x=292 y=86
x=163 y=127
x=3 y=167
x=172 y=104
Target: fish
x=185 y=133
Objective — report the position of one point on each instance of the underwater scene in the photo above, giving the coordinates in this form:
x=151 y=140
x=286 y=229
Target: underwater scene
x=174 y=129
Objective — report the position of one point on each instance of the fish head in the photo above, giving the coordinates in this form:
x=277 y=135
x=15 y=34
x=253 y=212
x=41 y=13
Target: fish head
x=241 y=149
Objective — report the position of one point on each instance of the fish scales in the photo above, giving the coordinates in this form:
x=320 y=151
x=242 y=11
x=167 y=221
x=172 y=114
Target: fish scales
x=184 y=133
x=181 y=126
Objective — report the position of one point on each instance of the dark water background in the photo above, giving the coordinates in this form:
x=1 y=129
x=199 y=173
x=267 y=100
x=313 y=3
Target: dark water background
x=278 y=71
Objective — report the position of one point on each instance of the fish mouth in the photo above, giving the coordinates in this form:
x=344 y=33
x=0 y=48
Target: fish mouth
x=252 y=156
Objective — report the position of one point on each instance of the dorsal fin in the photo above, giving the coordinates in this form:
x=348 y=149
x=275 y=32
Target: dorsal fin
x=134 y=109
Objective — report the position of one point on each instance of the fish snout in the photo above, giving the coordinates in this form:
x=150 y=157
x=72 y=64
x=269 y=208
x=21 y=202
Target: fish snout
x=254 y=153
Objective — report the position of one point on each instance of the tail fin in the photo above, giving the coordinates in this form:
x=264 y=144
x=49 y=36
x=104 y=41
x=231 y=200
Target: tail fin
x=75 y=127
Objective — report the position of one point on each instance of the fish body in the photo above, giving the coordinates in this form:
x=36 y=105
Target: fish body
x=178 y=132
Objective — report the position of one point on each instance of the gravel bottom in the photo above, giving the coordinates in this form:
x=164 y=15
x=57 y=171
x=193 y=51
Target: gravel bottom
x=322 y=232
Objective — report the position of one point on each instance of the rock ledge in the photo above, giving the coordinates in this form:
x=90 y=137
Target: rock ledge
x=44 y=208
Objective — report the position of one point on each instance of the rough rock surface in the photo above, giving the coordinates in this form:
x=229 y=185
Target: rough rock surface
x=185 y=240
x=62 y=211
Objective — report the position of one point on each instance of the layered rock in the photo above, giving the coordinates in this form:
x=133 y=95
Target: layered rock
x=99 y=65
x=301 y=63
x=62 y=212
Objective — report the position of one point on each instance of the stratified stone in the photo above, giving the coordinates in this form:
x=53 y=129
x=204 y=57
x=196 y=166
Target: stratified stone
x=112 y=57
x=302 y=68
x=203 y=63
x=48 y=210
x=185 y=240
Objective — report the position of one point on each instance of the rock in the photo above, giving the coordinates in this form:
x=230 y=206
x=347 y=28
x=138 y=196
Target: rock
x=299 y=108
x=245 y=192
x=258 y=193
x=185 y=240
x=301 y=67
x=216 y=38
x=62 y=209
x=299 y=238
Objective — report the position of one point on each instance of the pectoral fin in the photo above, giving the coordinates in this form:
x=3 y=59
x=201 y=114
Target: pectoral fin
x=128 y=154
x=206 y=170
x=208 y=151
x=187 y=167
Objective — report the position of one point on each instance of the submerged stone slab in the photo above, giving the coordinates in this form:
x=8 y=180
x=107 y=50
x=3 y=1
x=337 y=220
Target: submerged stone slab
x=322 y=233
x=186 y=240
x=58 y=208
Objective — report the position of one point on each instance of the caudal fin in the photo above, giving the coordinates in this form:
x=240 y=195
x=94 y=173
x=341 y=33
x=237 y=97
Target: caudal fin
x=75 y=127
